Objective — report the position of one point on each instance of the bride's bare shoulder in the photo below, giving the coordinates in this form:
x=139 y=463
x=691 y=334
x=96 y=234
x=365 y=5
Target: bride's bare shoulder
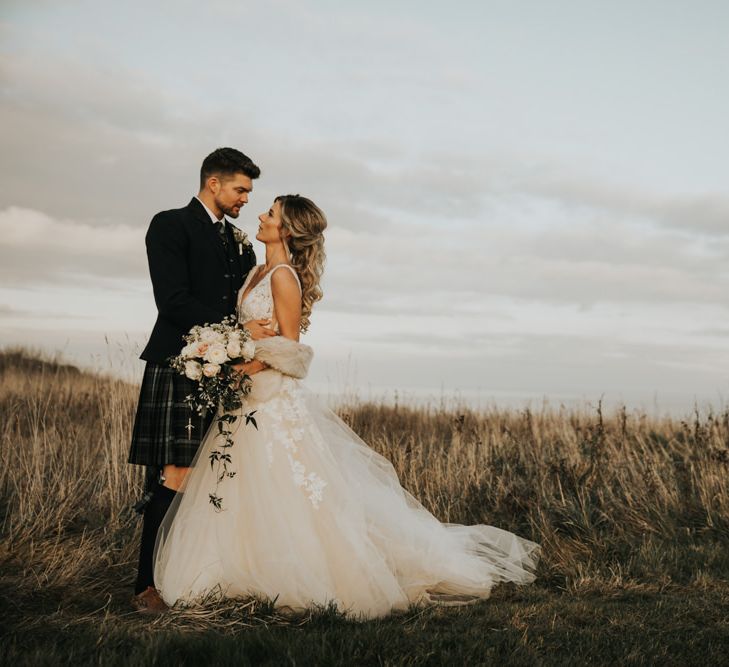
x=286 y=280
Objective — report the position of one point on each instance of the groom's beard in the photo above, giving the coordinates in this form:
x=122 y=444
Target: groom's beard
x=230 y=211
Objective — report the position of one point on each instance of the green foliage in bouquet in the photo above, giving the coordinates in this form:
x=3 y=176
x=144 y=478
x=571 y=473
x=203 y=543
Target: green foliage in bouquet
x=208 y=358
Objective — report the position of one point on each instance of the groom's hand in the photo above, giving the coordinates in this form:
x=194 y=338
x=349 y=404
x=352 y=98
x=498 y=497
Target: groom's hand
x=258 y=329
x=249 y=367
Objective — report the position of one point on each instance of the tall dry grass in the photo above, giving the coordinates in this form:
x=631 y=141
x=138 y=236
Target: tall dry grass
x=613 y=499
x=64 y=483
x=617 y=500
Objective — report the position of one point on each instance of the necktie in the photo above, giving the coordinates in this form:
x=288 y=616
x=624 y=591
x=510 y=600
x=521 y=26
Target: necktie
x=220 y=227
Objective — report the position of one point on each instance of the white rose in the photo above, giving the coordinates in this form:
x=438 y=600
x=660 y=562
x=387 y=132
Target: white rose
x=210 y=370
x=249 y=349
x=211 y=336
x=193 y=370
x=189 y=351
x=234 y=336
x=216 y=354
x=233 y=349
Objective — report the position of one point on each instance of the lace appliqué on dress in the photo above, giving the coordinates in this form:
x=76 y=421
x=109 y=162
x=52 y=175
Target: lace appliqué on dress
x=289 y=421
x=258 y=303
x=287 y=413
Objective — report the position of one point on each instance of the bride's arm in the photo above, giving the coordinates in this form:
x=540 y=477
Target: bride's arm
x=286 y=303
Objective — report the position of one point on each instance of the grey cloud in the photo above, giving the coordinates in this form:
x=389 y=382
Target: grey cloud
x=93 y=175
x=569 y=366
x=708 y=214
x=39 y=249
x=104 y=151
x=531 y=346
x=412 y=303
x=110 y=146
x=94 y=94
x=716 y=332
x=692 y=214
x=13 y=312
x=512 y=262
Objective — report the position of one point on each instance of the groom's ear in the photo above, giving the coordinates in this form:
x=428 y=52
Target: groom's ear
x=213 y=184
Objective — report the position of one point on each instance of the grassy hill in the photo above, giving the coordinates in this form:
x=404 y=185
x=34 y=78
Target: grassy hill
x=632 y=513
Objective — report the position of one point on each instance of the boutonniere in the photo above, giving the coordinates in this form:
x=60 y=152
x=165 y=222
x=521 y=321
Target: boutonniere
x=241 y=238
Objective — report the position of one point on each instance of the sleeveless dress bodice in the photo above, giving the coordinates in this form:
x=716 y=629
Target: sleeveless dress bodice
x=258 y=303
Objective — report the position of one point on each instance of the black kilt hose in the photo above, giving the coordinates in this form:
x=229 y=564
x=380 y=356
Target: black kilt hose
x=196 y=275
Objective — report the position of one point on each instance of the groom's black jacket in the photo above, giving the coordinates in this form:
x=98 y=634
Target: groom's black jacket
x=194 y=277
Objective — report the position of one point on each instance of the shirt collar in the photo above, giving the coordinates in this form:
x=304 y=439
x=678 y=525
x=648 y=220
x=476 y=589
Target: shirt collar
x=213 y=219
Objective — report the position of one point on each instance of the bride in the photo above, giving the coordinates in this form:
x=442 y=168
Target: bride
x=313 y=515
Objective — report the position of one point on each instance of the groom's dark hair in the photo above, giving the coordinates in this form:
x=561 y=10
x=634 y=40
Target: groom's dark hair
x=227 y=162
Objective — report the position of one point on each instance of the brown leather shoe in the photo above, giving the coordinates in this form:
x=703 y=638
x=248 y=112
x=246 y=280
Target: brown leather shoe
x=149 y=602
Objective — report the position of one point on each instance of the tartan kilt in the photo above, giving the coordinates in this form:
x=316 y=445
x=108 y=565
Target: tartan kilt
x=160 y=434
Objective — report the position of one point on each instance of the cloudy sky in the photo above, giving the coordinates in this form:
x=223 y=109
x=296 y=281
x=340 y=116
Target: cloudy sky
x=526 y=199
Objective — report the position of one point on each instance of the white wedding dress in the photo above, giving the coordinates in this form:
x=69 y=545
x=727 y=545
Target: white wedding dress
x=314 y=516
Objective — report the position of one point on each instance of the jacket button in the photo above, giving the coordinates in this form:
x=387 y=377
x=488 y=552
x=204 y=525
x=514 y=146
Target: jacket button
x=227 y=275
x=225 y=298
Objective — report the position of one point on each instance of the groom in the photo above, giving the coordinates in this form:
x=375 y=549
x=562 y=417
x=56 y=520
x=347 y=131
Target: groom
x=197 y=265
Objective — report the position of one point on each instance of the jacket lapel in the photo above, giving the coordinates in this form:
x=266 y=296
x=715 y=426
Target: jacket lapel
x=247 y=258
x=208 y=229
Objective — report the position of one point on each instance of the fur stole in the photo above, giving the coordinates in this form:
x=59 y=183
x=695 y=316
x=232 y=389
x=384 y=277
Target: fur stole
x=285 y=355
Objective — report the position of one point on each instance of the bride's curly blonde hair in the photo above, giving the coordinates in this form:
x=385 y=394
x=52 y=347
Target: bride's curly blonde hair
x=305 y=223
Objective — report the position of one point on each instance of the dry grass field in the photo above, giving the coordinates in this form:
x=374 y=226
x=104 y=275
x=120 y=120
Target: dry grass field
x=632 y=513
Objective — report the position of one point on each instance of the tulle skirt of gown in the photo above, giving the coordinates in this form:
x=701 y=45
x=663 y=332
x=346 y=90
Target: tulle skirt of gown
x=314 y=516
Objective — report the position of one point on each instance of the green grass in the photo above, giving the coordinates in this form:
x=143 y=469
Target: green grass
x=632 y=513
x=526 y=626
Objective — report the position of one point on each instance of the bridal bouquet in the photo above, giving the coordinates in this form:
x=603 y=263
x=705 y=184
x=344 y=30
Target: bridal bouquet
x=207 y=359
